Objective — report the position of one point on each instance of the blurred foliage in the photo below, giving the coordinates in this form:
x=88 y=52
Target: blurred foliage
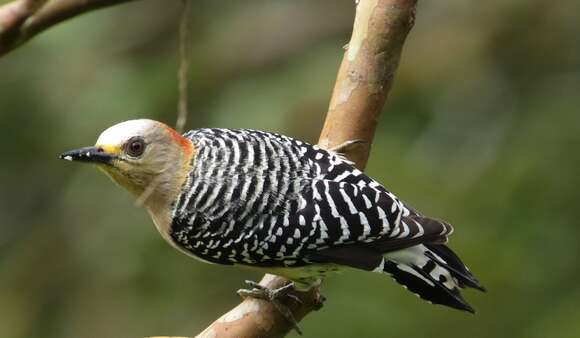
x=482 y=128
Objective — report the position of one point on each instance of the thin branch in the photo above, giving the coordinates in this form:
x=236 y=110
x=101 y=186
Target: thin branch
x=184 y=61
x=20 y=20
x=362 y=85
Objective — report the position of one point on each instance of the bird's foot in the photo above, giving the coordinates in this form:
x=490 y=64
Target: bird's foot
x=274 y=296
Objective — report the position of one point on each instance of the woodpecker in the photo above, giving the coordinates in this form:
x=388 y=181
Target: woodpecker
x=270 y=202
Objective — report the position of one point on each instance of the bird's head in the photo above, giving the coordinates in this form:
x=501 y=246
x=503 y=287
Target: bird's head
x=140 y=155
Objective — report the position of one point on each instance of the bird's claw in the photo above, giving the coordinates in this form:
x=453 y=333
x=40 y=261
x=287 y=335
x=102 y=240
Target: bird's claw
x=274 y=296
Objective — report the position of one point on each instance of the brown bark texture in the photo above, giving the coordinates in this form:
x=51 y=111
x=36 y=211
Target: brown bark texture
x=362 y=85
x=366 y=74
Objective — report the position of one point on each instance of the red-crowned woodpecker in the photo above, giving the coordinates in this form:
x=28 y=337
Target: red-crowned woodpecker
x=263 y=200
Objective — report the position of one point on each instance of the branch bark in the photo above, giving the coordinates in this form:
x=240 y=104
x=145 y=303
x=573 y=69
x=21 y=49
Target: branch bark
x=20 y=20
x=362 y=85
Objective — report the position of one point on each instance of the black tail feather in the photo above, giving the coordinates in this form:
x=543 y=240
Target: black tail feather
x=418 y=281
x=449 y=260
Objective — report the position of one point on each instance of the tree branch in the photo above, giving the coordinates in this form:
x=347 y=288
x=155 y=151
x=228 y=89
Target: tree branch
x=366 y=74
x=20 y=20
x=362 y=85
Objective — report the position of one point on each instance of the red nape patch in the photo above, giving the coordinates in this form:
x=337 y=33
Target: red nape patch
x=182 y=141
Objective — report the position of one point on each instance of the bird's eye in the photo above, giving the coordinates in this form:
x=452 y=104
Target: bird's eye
x=135 y=147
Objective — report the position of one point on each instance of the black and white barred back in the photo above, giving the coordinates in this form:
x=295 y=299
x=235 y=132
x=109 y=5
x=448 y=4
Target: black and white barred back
x=262 y=199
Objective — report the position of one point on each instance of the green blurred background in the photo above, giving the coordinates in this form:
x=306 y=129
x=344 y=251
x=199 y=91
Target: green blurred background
x=482 y=128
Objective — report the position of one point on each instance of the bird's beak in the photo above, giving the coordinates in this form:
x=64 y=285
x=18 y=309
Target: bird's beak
x=89 y=154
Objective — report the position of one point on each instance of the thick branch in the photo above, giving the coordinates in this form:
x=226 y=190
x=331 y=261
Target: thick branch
x=363 y=82
x=366 y=73
x=20 y=20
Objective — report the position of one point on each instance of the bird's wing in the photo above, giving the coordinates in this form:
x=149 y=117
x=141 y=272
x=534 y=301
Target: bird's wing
x=355 y=216
x=350 y=218
x=265 y=199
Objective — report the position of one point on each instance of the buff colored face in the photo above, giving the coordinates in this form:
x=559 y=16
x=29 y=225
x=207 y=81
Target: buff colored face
x=132 y=153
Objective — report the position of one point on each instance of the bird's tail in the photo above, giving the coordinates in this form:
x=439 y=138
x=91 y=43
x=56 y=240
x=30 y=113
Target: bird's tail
x=433 y=272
